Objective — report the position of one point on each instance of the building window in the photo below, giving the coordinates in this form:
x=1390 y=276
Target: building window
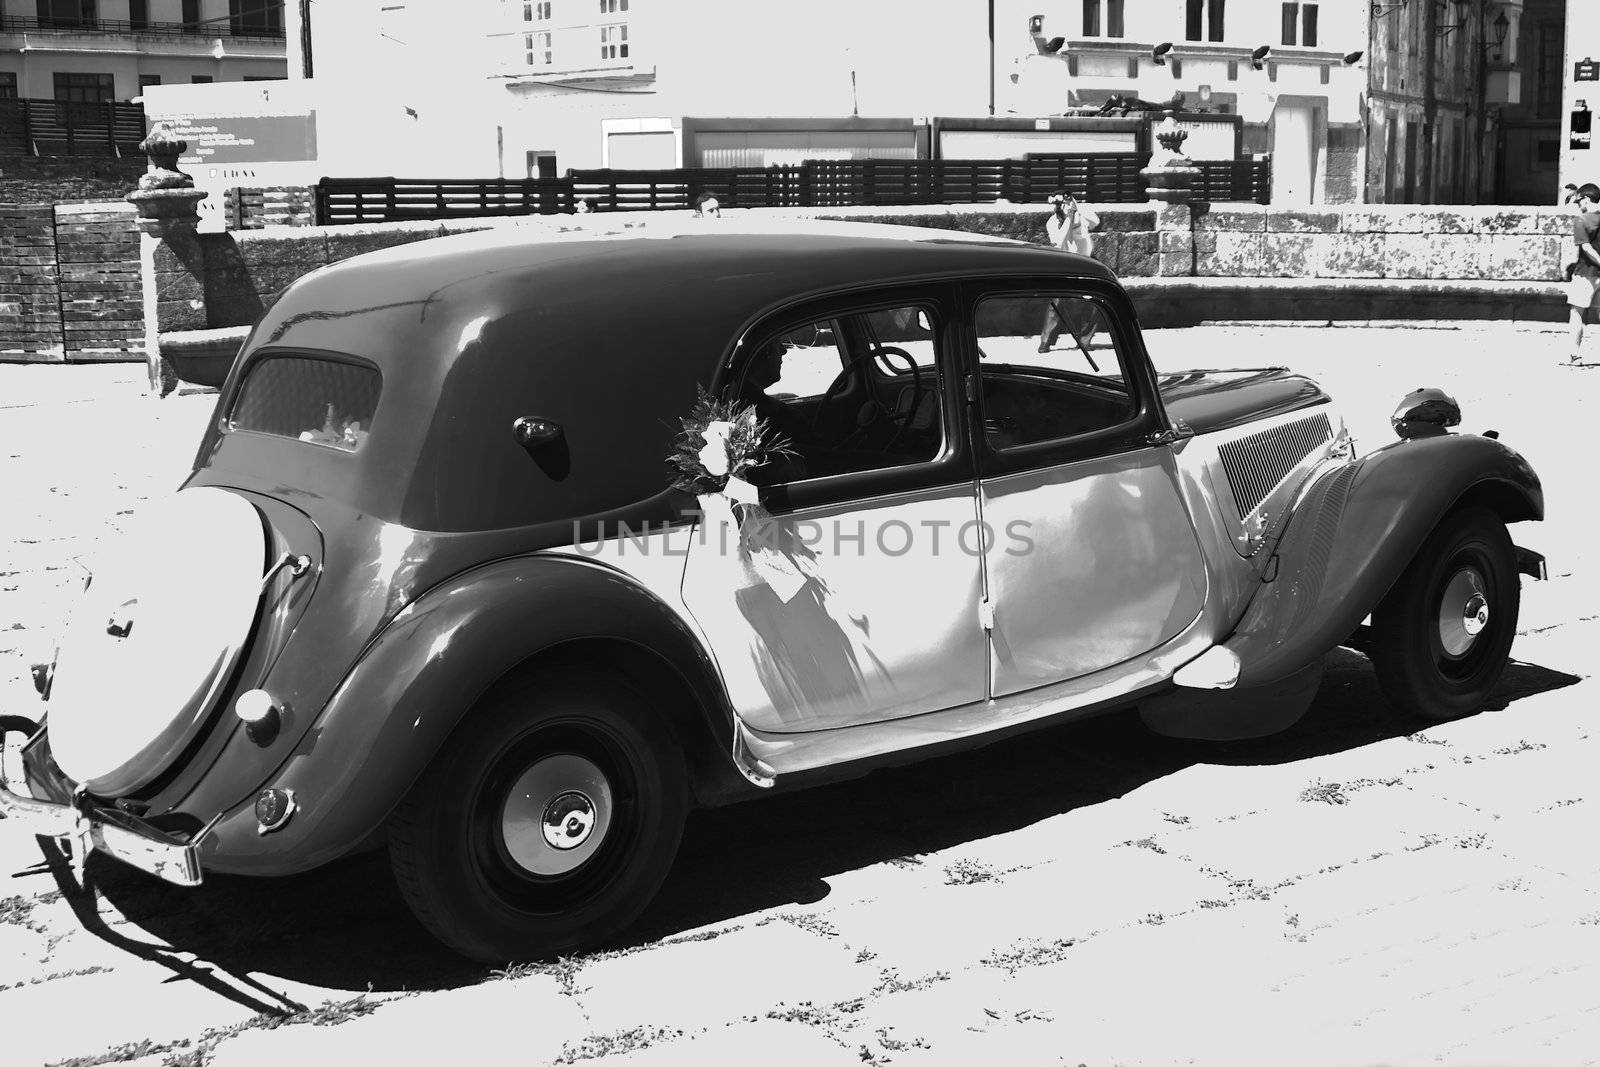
x=1204 y=20
x=614 y=41
x=79 y=97
x=191 y=17
x=138 y=14
x=201 y=79
x=1113 y=18
x=147 y=80
x=83 y=88
x=536 y=12
x=612 y=7
x=8 y=85
x=537 y=45
x=1547 y=95
x=68 y=14
x=253 y=18
x=1300 y=25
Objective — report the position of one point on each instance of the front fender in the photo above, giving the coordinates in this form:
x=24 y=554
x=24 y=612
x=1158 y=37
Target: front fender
x=1354 y=532
x=429 y=666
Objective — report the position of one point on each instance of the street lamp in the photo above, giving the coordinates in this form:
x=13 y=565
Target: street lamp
x=1461 y=17
x=1501 y=25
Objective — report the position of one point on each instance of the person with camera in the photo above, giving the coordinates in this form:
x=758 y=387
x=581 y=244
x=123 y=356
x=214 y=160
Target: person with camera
x=1068 y=229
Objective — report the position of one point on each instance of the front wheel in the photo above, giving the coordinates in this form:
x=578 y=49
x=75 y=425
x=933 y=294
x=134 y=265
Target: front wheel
x=546 y=824
x=1442 y=637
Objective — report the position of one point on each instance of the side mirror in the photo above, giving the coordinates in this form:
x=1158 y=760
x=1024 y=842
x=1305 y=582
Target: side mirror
x=545 y=442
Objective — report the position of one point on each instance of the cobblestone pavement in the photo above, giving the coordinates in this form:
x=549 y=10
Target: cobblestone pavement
x=1346 y=893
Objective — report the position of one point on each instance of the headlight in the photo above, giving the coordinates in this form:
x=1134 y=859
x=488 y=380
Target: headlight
x=1425 y=413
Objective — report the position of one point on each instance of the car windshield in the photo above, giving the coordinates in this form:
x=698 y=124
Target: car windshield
x=320 y=401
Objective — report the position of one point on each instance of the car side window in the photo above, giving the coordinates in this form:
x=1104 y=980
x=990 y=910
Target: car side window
x=851 y=392
x=1050 y=368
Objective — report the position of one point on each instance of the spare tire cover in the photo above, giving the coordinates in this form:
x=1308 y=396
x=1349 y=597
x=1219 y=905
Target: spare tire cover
x=151 y=644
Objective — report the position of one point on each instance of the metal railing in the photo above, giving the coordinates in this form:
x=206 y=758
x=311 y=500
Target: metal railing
x=1109 y=178
x=71 y=128
x=126 y=27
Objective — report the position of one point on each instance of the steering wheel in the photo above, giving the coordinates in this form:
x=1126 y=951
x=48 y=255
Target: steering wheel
x=901 y=419
x=882 y=354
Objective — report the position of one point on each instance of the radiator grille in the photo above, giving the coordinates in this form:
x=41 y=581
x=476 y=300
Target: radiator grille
x=1256 y=464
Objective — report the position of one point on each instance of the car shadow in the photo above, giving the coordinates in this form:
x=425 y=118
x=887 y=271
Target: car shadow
x=345 y=927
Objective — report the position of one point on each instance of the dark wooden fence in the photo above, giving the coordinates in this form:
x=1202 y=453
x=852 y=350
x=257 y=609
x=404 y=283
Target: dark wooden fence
x=1110 y=178
x=57 y=127
x=1242 y=180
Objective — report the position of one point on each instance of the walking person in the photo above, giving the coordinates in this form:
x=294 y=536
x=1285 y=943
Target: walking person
x=1583 y=290
x=1068 y=228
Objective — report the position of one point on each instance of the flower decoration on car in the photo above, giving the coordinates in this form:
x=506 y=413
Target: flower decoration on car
x=721 y=443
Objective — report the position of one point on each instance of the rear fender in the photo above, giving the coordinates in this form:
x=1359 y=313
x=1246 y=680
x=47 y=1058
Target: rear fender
x=1354 y=532
x=428 y=668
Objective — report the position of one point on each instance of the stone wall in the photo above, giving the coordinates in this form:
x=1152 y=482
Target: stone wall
x=30 y=291
x=69 y=283
x=54 y=179
x=97 y=261
x=220 y=280
x=1382 y=241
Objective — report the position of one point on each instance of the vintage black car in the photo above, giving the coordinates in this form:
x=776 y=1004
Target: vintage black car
x=433 y=584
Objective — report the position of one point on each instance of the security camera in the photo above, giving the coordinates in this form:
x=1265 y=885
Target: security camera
x=1352 y=58
x=1259 y=56
x=1159 y=53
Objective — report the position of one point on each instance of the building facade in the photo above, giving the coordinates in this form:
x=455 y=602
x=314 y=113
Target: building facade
x=1293 y=71
x=1526 y=128
x=1442 y=71
x=92 y=51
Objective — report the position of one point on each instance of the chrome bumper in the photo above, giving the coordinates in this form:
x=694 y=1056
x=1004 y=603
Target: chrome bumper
x=84 y=827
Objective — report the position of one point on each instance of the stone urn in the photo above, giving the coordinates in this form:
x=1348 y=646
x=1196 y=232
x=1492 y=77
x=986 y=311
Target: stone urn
x=1170 y=177
x=165 y=197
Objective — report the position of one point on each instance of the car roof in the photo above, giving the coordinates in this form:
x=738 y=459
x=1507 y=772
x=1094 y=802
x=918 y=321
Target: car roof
x=610 y=336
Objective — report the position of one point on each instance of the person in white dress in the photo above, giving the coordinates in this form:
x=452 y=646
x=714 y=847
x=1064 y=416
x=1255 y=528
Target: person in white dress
x=1068 y=228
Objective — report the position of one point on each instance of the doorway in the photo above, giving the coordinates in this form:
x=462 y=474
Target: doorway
x=1294 y=153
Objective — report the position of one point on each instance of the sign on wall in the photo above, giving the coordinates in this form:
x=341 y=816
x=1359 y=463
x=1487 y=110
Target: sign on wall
x=1209 y=139
x=1586 y=70
x=216 y=140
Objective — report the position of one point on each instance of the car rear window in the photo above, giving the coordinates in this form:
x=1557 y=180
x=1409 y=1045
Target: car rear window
x=321 y=401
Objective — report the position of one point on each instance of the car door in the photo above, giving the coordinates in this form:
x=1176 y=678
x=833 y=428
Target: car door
x=1094 y=559
x=873 y=505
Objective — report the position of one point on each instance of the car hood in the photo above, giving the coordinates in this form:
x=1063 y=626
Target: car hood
x=1210 y=400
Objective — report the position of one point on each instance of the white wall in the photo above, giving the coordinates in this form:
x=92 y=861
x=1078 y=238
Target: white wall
x=1583 y=41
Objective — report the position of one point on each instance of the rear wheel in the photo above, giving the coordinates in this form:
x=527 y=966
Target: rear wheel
x=546 y=824
x=1442 y=637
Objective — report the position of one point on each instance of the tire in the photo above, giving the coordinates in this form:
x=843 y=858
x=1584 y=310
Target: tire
x=1442 y=637
x=546 y=823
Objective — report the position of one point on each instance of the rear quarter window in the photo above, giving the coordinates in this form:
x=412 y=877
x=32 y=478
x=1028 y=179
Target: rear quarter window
x=319 y=401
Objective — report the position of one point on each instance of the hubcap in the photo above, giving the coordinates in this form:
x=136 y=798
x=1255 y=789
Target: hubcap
x=556 y=815
x=568 y=821
x=1463 y=612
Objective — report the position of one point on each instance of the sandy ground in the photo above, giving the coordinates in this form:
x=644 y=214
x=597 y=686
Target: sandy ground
x=1350 y=892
